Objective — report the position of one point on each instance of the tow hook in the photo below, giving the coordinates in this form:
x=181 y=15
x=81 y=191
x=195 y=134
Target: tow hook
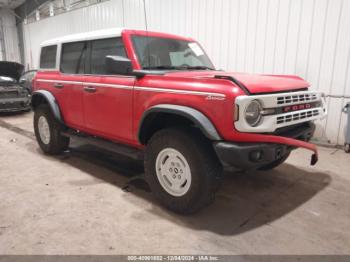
x=314 y=159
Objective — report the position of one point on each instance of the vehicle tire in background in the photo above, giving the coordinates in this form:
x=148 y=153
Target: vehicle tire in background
x=182 y=169
x=48 y=131
x=347 y=148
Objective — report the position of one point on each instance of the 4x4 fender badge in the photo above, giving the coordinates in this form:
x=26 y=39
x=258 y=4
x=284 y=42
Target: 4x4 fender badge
x=211 y=97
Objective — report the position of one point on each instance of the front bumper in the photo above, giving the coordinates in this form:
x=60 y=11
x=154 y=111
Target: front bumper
x=258 y=154
x=14 y=104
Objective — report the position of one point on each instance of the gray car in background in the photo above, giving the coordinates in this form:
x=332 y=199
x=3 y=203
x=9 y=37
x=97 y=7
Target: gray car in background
x=15 y=95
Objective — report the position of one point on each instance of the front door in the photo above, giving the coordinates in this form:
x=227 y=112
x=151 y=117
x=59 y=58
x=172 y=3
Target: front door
x=107 y=98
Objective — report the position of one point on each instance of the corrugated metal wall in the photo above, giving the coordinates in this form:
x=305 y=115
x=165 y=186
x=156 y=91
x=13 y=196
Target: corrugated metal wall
x=309 y=38
x=9 y=49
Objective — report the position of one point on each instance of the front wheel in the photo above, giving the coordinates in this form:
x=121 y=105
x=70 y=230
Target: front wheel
x=48 y=131
x=182 y=169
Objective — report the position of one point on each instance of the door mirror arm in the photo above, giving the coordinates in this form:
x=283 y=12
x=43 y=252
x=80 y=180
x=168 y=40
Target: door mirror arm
x=118 y=65
x=122 y=66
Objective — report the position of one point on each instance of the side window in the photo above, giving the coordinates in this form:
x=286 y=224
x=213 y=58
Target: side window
x=102 y=48
x=48 y=57
x=73 y=58
x=81 y=66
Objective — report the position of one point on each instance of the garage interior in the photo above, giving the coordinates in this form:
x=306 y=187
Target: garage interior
x=89 y=201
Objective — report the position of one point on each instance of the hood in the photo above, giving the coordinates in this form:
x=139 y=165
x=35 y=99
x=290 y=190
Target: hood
x=11 y=69
x=254 y=83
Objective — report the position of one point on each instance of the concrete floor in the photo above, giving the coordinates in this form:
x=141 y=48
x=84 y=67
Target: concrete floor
x=85 y=202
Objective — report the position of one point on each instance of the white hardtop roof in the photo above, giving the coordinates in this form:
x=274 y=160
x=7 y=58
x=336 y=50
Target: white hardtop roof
x=105 y=33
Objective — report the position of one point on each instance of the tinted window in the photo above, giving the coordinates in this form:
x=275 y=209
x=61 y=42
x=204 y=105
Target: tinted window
x=73 y=57
x=102 y=48
x=81 y=66
x=48 y=56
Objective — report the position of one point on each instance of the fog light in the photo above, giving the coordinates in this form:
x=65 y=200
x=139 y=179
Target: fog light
x=256 y=155
x=278 y=153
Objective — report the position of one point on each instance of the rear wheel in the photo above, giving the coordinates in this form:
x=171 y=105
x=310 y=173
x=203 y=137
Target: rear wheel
x=275 y=164
x=182 y=169
x=48 y=131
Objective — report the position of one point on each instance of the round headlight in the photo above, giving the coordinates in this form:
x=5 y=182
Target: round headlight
x=252 y=113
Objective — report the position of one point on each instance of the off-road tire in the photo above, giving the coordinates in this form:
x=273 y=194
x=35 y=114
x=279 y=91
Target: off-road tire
x=274 y=164
x=58 y=143
x=206 y=170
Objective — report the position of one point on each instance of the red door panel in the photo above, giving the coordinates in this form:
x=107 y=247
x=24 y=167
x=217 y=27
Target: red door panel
x=70 y=99
x=108 y=106
x=67 y=90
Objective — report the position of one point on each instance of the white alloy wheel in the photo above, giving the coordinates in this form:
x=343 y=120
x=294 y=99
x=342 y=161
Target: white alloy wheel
x=173 y=172
x=44 y=130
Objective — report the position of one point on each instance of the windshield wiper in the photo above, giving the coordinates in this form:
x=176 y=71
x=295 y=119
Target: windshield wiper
x=162 y=67
x=198 y=68
x=169 y=67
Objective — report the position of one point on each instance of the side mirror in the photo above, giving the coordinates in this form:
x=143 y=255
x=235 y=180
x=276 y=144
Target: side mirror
x=118 y=65
x=22 y=81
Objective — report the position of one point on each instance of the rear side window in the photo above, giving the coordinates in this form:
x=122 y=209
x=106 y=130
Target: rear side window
x=73 y=57
x=48 y=56
x=102 y=48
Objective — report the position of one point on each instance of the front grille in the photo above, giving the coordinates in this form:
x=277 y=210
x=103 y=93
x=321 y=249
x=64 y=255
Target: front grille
x=8 y=106
x=288 y=109
x=292 y=130
x=297 y=116
x=9 y=94
x=288 y=99
x=303 y=131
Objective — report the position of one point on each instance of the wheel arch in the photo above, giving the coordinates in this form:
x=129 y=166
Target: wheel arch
x=161 y=115
x=45 y=97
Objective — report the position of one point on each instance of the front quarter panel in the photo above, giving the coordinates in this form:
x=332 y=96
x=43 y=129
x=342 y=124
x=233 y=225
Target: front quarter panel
x=214 y=98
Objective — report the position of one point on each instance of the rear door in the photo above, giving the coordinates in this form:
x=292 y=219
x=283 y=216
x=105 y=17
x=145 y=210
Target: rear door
x=72 y=70
x=108 y=98
x=50 y=78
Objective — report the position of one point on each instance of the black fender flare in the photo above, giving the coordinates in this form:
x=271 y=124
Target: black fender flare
x=197 y=117
x=50 y=100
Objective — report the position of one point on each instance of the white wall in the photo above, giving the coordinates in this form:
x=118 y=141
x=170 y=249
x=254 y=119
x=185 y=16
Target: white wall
x=310 y=38
x=8 y=24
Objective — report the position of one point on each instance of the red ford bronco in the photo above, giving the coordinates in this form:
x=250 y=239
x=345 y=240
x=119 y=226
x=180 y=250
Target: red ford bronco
x=158 y=97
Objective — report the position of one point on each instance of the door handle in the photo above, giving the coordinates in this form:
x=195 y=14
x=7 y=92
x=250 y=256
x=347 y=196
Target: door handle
x=58 y=85
x=89 y=89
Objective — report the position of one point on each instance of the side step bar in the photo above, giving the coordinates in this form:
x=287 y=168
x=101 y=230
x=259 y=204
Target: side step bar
x=131 y=152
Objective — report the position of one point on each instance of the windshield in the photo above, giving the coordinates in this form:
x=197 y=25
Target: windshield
x=166 y=53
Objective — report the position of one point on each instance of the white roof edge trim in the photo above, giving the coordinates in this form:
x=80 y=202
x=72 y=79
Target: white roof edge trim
x=99 y=34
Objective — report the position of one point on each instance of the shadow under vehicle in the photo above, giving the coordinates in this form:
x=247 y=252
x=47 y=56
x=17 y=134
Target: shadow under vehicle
x=14 y=95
